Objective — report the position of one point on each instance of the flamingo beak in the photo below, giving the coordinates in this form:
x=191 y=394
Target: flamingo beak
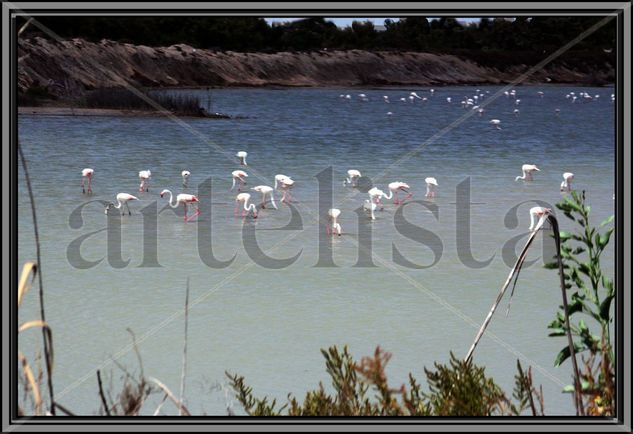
x=161 y=195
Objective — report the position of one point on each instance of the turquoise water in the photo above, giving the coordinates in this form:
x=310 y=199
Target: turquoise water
x=269 y=324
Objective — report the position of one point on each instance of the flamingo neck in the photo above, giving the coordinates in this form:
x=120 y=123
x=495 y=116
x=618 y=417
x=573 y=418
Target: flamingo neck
x=390 y=195
x=118 y=204
x=171 y=197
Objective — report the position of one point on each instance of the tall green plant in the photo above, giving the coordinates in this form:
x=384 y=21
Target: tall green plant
x=592 y=295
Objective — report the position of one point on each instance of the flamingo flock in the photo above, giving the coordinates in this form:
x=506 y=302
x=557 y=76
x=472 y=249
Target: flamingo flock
x=284 y=184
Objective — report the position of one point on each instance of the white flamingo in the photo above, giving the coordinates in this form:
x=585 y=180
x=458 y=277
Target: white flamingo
x=185 y=178
x=496 y=123
x=242 y=156
x=352 y=177
x=375 y=194
x=122 y=200
x=394 y=188
x=568 y=177
x=333 y=225
x=243 y=199
x=144 y=176
x=431 y=187
x=239 y=177
x=284 y=183
x=265 y=191
x=541 y=213
x=527 y=170
x=415 y=95
x=386 y=99
x=370 y=207
x=184 y=200
x=87 y=173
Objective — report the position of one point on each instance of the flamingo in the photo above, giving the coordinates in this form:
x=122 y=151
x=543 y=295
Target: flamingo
x=122 y=200
x=394 y=188
x=415 y=95
x=540 y=212
x=389 y=113
x=527 y=170
x=144 y=176
x=333 y=225
x=243 y=199
x=242 y=156
x=386 y=99
x=375 y=194
x=448 y=99
x=568 y=177
x=495 y=123
x=87 y=173
x=370 y=207
x=184 y=199
x=432 y=91
x=265 y=191
x=431 y=187
x=239 y=176
x=557 y=111
x=352 y=177
x=284 y=183
x=516 y=112
x=540 y=93
x=185 y=178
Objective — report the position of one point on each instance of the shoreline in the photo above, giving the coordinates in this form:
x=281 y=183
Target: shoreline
x=60 y=110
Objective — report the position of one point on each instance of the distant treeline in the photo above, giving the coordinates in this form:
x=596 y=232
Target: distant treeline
x=526 y=34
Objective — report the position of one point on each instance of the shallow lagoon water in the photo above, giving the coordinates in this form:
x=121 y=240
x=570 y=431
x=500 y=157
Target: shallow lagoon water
x=269 y=324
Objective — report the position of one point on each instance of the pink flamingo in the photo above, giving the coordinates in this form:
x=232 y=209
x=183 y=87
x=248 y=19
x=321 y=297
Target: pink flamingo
x=122 y=201
x=396 y=187
x=243 y=199
x=431 y=187
x=144 y=176
x=87 y=173
x=527 y=170
x=284 y=183
x=184 y=199
x=333 y=225
x=540 y=212
x=239 y=176
x=375 y=194
x=266 y=191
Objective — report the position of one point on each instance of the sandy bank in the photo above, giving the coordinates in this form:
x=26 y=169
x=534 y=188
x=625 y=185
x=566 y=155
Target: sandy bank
x=69 y=68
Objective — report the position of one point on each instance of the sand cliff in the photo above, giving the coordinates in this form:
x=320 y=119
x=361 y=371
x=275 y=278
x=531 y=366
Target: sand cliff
x=71 y=67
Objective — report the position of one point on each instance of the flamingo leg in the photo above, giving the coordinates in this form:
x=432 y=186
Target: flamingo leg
x=395 y=199
x=185 y=205
x=89 y=185
x=408 y=196
x=235 y=210
x=327 y=230
x=83 y=190
x=127 y=206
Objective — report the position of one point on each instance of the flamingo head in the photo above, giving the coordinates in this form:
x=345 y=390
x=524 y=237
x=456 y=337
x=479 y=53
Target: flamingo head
x=162 y=193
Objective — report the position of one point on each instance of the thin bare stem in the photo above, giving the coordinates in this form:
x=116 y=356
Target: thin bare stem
x=572 y=351
x=176 y=401
x=513 y=272
x=45 y=336
x=103 y=399
x=184 y=350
